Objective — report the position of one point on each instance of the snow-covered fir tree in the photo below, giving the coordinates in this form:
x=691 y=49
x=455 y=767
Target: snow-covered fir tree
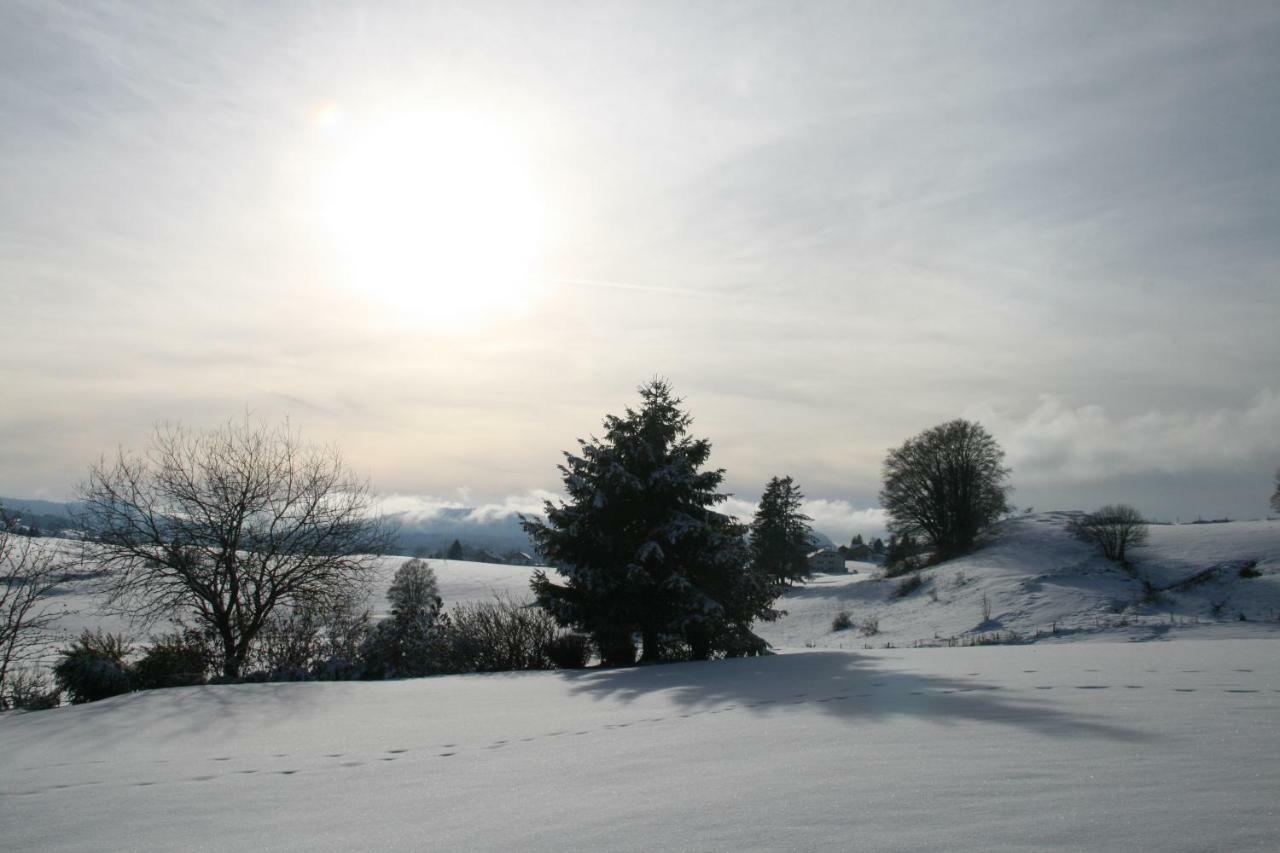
x=640 y=546
x=780 y=534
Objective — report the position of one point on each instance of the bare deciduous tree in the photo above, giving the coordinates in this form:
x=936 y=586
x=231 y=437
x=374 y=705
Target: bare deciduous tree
x=30 y=572
x=1115 y=528
x=225 y=526
x=1275 y=496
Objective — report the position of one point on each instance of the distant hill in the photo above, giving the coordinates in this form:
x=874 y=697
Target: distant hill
x=50 y=517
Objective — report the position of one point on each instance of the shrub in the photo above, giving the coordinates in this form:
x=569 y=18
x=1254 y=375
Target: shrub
x=869 y=627
x=842 y=622
x=500 y=635
x=93 y=668
x=407 y=647
x=29 y=690
x=1114 y=529
x=569 y=651
x=1250 y=570
x=907 y=586
x=179 y=659
x=617 y=647
x=740 y=642
x=322 y=639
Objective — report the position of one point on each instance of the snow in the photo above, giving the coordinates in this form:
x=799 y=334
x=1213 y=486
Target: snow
x=1117 y=743
x=1139 y=747
x=1040 y=582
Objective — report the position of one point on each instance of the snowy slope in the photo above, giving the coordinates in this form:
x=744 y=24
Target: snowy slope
x=1123 y=747
x=1037 y=579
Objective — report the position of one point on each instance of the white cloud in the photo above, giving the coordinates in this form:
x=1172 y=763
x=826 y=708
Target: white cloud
x=420 y=508
x=1057 y=442
x=838 y=519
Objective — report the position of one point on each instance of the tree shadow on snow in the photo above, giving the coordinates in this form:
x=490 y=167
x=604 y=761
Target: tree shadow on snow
x=848 y=686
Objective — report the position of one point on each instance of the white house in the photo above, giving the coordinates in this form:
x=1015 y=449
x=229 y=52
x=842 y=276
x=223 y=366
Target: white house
x=827 y=561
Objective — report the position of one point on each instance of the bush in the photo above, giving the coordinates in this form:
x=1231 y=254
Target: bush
x=1250 y=570
x=869 y=627
x=569 y=651
x=320 y=639
x=1114 y=529
x=500 y=635
x=93 y=668
x=179 y=659
x=740 y=642
x=617 y=647
x=907 y=586
x=29 y=690
x=407 y=647
x=842 y=622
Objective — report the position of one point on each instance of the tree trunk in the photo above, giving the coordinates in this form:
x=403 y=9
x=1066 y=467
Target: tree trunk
x=650 y=653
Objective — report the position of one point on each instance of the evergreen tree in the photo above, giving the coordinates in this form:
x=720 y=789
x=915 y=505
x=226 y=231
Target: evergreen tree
x=780 y=533
x=877 y=545
x=640 y=546
x=455 y=551
x=857 y=540
x=412 y=641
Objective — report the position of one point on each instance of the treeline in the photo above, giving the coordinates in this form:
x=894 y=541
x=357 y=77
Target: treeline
x=337 y=641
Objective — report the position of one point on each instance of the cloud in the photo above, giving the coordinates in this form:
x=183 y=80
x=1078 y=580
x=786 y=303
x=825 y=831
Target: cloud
x=1057 y=442
x=838 y=519
x=422 y=508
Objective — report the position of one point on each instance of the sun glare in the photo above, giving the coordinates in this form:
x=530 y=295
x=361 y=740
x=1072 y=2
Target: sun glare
x=435 y=215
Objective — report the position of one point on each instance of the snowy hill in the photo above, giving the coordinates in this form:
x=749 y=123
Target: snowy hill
x=1038 y=581
x=1127 y=747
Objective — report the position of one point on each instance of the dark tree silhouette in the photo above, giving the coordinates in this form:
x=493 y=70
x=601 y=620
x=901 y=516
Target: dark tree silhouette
x=640 y=546
x=780 y=532
x=1115 y=528
x=1275 y=496
x=946 y=484
x=30 y=574
x=225 y=526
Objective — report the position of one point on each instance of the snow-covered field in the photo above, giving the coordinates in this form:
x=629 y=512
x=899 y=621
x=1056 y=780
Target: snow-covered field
x=1113 y=744
x=1142 y=747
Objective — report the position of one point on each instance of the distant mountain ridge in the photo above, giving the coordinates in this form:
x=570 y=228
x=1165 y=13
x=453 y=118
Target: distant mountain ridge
x=419 y=531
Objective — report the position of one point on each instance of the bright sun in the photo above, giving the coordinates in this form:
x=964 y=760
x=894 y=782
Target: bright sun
x=435 y=215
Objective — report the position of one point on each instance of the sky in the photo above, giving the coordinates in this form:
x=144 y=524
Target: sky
x=450 y=237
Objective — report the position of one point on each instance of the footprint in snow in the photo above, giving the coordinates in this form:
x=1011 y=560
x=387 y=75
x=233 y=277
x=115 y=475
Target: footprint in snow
x=221 y=758
x=1184 y=689
x=396 y=751
x=201 y=778
x=286 y=772
x=1091 y=687
x=1239 y=690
